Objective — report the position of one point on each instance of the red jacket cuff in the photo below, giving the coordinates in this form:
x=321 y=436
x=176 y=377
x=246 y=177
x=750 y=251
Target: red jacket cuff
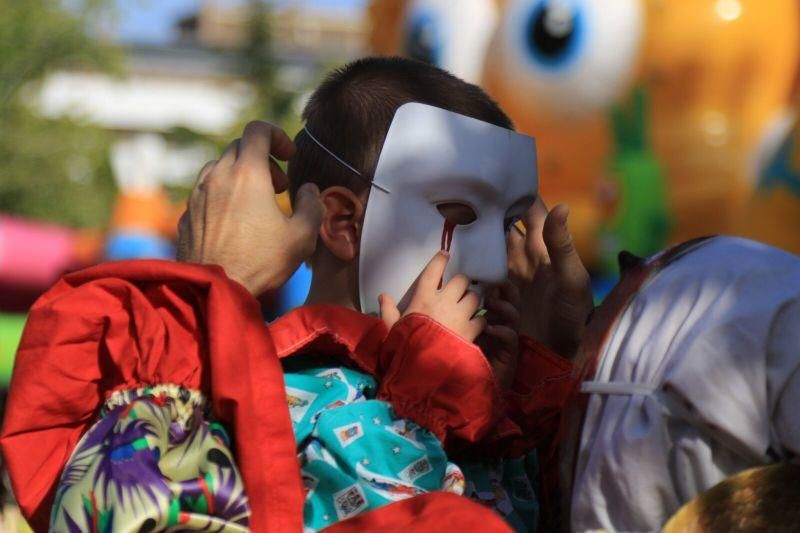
x=542 y=385
x=439 y=380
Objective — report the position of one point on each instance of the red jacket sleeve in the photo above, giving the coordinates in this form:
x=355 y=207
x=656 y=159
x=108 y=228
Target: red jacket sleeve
x=124 y=325
x=442 y=382
x=541 y=388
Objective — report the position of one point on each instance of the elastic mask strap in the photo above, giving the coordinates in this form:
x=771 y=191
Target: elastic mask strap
x=344 y=163
x=617 y=388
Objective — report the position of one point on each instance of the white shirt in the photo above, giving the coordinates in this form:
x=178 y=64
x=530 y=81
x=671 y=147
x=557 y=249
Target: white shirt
x=698 y=380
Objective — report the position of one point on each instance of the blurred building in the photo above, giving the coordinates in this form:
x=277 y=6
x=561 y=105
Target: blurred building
x=196 y=82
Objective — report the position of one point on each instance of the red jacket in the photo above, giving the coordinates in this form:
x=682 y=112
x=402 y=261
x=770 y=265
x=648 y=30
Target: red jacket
x=125 y=325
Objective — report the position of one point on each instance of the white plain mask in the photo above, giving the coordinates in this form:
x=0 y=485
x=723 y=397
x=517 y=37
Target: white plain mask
x=431 y=157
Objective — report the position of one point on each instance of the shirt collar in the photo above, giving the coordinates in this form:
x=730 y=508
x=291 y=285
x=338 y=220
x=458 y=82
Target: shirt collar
x=330 y=330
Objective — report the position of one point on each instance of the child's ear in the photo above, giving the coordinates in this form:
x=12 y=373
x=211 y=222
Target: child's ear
x=341 y=225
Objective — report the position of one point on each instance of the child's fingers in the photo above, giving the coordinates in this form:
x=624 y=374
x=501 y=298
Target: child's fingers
x=432 y=273
x=475 y=327
x=388 y=310
x=470 y=303
x=456 y=287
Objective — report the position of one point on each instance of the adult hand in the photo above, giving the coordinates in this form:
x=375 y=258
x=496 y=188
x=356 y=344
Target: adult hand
x=500 y=339
x=233 y=219
x=454 y=306
x=555 y=289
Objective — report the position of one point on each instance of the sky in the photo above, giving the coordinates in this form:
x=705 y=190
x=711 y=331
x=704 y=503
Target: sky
x=152 y=21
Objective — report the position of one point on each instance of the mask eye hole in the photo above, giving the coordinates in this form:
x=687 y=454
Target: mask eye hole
x=514 y=223
x=456 y=213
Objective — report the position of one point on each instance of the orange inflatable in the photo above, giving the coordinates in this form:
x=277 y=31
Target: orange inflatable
x=721 y=74
x=718 y=77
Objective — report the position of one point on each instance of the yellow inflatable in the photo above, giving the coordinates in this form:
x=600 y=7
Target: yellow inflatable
x=772 y=212
x=760 y=499
x=718 y=77
x=721 y=74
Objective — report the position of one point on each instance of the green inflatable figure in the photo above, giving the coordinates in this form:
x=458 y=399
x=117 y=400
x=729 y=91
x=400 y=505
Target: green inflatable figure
x=640 y=222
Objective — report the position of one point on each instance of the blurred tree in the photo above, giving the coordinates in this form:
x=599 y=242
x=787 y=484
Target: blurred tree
x=55 y=170
x=260 y=67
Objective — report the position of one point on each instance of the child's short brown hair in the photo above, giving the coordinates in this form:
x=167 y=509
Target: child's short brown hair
x=350 y=114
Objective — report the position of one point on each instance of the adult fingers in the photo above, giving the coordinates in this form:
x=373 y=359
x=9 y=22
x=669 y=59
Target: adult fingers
x=260 y=140
x=564 y=257
x=510 y=293
x=191 y=241
x=502 y=334
x=389 y=312
x=432 y=273
x=307 y=218
x=500 y=311
x=204 y=172
x=518 y=263
x=183 y=252
x=534 y=220
x=280 y=181
x=230 y=154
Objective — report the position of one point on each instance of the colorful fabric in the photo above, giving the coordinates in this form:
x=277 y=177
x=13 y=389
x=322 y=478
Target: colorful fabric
x=355 y=453
x=121 y=326
x=507 y=486
x=126 y=325
x=152 y=462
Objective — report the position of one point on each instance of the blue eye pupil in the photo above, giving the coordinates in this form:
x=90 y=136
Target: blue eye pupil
x=553 y=32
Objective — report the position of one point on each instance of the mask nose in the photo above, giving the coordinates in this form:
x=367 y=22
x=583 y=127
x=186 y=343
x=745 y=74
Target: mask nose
x=486 y=260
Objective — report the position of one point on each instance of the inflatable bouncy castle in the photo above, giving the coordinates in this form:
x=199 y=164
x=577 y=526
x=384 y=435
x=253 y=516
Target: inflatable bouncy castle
x=630 y=100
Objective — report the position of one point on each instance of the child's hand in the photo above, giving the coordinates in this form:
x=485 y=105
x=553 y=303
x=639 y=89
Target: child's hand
x=454 y=306
x=500 y=340
x=555 y=289
x=234 y=221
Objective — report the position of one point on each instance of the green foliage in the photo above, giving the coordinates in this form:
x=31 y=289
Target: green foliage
x=260 y=67
x=55 y=170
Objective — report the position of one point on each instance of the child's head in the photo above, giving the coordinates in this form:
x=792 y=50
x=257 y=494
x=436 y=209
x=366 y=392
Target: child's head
x=463 y=134
x=350 y=114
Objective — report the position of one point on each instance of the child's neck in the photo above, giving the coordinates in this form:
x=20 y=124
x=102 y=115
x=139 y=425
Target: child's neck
x=335 y=287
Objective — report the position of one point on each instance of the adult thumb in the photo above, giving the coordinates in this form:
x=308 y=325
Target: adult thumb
x=561 y=249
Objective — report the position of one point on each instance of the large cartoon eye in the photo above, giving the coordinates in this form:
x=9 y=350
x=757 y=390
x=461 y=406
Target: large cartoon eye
x=554 y=32
x=566 y=57
x=424 y=39
x=451 y=35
